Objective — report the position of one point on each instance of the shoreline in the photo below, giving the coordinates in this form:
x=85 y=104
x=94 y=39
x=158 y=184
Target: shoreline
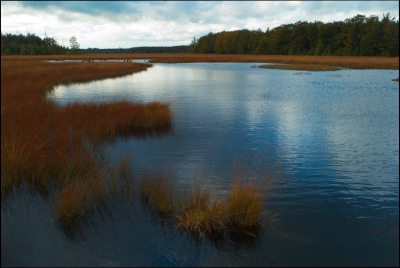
x=337 y=61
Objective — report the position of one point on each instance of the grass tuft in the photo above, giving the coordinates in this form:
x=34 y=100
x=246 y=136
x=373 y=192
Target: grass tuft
x=245 y=205
x=199 y=213
x=158 y=193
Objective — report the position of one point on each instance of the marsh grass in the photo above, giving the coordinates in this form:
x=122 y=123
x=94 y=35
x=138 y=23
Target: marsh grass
x=396 y=79
x=158 y=193
x=81 y=195
x=15 y=156
x=245 y=205
x=204 y=210
x=199 y=211
x=42 y=145
x=45 y=145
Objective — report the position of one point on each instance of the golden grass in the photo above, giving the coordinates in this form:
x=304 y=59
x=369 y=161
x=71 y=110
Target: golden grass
x=301 y=67
x=245 y=205
x=199 y=212
x=204 y=211
x=396 y=79
x=206 y=218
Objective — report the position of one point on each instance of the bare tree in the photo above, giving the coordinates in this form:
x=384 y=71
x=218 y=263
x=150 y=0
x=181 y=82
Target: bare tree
x=74 y=44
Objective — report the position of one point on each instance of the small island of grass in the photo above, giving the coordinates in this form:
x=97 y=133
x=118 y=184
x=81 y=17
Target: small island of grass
x=301 y=67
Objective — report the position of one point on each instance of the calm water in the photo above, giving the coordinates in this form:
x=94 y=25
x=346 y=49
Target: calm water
x=336 y=134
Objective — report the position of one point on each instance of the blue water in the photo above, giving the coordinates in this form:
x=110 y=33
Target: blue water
x=335 y=134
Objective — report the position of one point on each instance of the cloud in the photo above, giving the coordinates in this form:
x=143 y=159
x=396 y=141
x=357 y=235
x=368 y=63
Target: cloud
x=124 y=24
x=83 y=7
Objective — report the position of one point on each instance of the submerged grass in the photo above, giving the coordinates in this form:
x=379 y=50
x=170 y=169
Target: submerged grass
x=158 y=193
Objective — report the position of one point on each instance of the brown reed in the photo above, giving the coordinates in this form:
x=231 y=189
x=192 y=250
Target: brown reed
x=199 y=214
x=158 y=193
x=206 y=211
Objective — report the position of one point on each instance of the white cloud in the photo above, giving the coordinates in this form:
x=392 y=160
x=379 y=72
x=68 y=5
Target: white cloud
x=127 y=24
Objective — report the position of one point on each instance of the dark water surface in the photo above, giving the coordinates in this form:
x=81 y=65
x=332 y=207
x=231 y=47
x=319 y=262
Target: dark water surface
x=335 y=133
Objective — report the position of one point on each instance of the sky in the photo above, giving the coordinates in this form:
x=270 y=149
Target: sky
x=111 y=24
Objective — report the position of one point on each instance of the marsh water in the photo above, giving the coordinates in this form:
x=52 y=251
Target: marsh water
x=336 y=135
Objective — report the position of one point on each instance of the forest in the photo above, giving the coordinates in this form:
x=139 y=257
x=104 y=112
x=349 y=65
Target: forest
x=357 y=36
x=30 y=44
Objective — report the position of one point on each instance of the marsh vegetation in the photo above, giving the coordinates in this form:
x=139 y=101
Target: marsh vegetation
x=55 y=147
x=55 y=150
x=99 y=176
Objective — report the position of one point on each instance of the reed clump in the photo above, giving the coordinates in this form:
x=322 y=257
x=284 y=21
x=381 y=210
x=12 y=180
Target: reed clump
x=73 y=204
x=158 y=193
x=204 y=210
x=80 y=195
x=245 y=205
x=199 y=213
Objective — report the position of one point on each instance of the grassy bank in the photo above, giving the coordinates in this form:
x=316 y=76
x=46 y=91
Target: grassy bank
x=46 y=146
x=337 y=61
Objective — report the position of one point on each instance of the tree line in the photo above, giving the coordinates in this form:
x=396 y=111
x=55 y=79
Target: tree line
x=357 y=36
x=30 y=44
